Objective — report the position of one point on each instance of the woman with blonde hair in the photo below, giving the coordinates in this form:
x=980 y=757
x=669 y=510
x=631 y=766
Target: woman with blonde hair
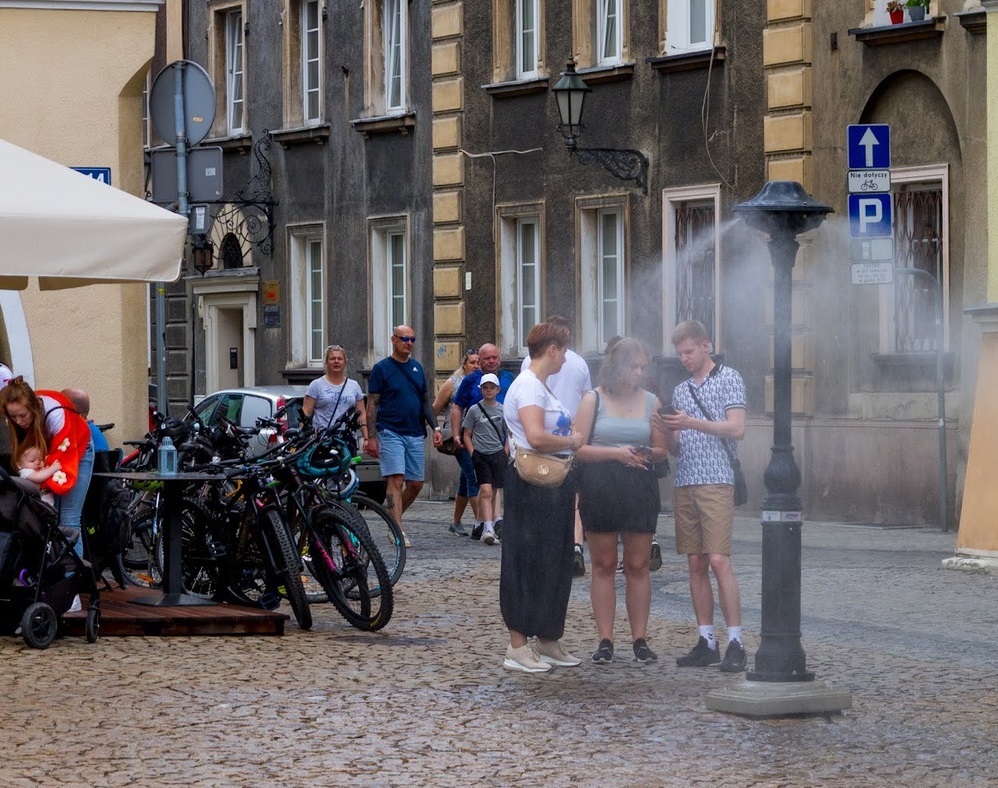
x=618 y=491
x=329 y=397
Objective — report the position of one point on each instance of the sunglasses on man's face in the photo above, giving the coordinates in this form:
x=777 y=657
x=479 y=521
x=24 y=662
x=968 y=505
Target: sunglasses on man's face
x=405 y=339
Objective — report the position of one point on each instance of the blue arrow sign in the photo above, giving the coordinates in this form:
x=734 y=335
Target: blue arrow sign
x=870 y=215
x=869 y=146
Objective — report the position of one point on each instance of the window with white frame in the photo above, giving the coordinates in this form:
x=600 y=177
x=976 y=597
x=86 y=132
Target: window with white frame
x=234 y=71
x=908 y=306
x=521 y=275
x=691 y=279
x=386 y=34
x=389 y=279
x=308 y=301
x=689 y=25
x=602 y=249
x=393 y=30
x=311 y=62
x=609 y=32
x=527 y=39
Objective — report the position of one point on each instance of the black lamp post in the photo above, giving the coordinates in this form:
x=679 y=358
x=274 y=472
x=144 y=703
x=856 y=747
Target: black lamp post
x=624 y=163
x=783 y=210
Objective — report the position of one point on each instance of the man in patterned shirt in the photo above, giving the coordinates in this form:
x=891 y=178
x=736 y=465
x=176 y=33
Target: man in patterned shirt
x=703 y=501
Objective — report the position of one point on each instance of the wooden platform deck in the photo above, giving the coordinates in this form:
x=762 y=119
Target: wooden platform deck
x=121 y=617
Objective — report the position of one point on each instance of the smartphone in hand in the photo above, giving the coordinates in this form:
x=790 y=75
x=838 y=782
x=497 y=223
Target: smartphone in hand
x=667 y=410
x=643 y=450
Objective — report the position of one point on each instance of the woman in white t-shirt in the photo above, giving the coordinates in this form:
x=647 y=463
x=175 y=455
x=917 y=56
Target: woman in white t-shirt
x=536 y=572
x=332 y=395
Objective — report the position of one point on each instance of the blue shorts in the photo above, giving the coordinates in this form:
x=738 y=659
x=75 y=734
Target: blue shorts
x=401 y=455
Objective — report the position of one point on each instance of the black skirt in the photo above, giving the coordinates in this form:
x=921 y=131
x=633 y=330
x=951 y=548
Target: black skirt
x=535 y=578
x=613 y=497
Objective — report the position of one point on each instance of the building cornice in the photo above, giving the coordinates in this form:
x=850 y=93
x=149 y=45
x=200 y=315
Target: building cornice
x=83 y=5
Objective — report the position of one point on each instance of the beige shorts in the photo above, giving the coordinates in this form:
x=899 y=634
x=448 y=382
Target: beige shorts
x=704 y=514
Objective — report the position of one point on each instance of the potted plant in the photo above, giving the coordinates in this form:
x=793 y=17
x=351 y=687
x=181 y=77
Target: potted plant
x=896 y=10
x=917 y=9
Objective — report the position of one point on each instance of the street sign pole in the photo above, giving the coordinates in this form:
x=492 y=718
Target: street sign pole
x=185 y=113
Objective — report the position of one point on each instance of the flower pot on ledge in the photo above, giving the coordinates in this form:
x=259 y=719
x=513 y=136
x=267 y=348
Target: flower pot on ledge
x=897 y=17
x=916 y=13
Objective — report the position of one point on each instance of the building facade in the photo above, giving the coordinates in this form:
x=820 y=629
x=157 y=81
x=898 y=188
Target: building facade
x=415 y=174
x=720 y=98
x=323 y=234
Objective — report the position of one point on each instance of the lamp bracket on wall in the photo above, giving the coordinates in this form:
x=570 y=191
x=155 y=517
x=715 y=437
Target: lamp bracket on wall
x=249 y=215
x=625 y=164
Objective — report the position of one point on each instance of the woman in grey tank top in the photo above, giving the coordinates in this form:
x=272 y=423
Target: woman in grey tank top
x=618 y=491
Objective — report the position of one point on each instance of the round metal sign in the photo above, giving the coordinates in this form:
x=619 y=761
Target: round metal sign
x=199 y=102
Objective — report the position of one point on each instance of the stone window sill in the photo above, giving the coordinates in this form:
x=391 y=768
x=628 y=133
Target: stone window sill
x=385 y=124
x=975 y=21
x=598 y=74
x=930 y=27
x=242 y=143
x=317 y=134
x=687 y=61
x=516 y=88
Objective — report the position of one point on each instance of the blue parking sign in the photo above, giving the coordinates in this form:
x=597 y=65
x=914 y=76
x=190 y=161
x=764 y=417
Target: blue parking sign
x=871 y=216
x=869 y=146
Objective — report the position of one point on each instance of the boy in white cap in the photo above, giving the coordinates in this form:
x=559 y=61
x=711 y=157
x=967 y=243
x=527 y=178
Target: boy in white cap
x=486 y=440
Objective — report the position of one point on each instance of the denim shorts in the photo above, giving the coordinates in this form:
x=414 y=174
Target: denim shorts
x=401 y=455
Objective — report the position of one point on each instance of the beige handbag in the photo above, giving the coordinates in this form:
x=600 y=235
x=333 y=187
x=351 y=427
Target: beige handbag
x=541 y=470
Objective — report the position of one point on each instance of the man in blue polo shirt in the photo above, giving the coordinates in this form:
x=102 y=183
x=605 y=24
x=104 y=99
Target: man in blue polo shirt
x=469 y=393
x=398 y=412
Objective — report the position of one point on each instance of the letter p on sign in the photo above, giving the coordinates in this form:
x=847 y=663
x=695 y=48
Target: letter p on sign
x=870 y=215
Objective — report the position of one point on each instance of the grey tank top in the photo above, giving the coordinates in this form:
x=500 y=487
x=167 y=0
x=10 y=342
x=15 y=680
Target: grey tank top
x=620 y=431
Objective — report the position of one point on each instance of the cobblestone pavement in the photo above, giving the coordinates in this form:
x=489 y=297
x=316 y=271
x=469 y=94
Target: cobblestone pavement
x=426 y=701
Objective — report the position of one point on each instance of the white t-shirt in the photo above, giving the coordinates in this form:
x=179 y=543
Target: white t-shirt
x=528 y=390
x=571 y=382
x=332 y=401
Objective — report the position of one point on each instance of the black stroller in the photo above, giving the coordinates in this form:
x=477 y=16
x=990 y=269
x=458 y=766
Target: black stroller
x=40 y=573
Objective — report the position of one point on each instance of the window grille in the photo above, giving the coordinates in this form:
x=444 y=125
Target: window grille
x=694 y=244
x=918 y=221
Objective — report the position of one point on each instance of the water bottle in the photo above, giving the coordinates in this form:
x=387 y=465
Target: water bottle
x=167 y=457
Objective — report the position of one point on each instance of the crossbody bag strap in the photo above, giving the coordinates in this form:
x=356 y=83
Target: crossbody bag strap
x=706 y=413
x=501 y=437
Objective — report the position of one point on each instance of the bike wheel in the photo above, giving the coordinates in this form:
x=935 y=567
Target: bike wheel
x=287 y=564
x=137 y=559
x=385 y=533
x=199 y=565
x=352 y=571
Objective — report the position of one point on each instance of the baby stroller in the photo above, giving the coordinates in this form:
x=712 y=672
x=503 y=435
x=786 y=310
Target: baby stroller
x=40 y=573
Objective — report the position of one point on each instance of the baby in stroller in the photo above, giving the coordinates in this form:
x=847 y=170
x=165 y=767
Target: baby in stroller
x=40 y=573
x=31 y=466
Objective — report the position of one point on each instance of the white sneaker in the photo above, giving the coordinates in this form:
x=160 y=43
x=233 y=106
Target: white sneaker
x=405 y=539
x=552 y=652
x=489 y=535
x=77 y=605
x=524 y=660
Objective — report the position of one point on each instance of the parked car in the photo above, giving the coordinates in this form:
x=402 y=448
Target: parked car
x=243 y=406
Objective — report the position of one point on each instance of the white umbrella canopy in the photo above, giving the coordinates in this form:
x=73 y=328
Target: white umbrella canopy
x=70 y=230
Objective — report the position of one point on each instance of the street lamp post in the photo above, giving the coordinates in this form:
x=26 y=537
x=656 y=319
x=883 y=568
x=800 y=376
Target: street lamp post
x=624 y=163
x=783 y=210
